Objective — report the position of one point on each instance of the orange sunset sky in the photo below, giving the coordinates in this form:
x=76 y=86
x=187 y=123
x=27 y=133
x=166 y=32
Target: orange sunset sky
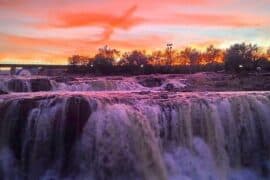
x=48 y=31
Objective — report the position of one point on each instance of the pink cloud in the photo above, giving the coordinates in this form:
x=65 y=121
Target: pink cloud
x=113 y=20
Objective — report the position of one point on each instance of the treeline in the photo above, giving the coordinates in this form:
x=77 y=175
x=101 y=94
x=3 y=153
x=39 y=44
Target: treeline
x=237 y=58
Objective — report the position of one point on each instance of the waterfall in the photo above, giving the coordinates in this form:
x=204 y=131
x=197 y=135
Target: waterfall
x=20 y=84
x=40 y=83
x=46 y=84
x=128 y=135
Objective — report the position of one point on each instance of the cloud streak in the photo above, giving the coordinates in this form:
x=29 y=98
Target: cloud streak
x=57 y=28
x=224 y=20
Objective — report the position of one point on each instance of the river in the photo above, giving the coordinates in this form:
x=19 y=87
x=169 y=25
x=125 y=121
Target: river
x=121 y=129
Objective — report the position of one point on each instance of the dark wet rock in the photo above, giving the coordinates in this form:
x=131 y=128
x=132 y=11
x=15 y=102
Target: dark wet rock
x=170 y=87
x=164 y=96
x=3 y=92
x=267 y=87
x=151 y=81
x=144 y=92
x=64 y=79
x=40 y=85
x=17 y=85
x=187 y=89
x=221 y=84
x=174 y=76
x=78 y=111
x=17 y=132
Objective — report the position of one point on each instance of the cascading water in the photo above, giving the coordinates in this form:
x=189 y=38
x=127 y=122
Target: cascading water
x=131 y=135
x=40 y=83
x=26 y=84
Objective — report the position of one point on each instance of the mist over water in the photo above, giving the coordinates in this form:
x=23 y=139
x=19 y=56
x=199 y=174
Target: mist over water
x=128 y=130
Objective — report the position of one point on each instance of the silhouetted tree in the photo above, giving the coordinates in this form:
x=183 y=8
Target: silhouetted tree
x=184 y=56
x=135 y=62
x=241 y=56
x=194 y=57
x=238 y=56
x=189 y=56
x=103 y=61
x=135 y=58
x=109 y=53
x=213 y=55
x=268 y=54
x=101 y=64
x=157 y=58
x=77 y=62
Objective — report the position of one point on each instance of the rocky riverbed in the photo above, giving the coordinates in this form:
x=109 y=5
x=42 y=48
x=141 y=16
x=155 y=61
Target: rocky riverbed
x=200 y=126
x=177 y=83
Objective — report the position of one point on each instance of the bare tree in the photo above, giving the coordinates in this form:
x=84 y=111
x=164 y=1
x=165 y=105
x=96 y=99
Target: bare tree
x=157 y=58
x=108 y=53
x=213 y=55
x=190 y=57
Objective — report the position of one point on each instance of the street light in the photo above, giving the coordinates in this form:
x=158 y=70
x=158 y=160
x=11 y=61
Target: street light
x=169 y=48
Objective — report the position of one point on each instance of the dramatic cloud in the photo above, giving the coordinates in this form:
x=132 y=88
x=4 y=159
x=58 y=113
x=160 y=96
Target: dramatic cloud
x=49 y=32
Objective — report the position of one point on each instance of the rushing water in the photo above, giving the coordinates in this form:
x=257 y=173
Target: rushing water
x=135 y=135
x=35 y=84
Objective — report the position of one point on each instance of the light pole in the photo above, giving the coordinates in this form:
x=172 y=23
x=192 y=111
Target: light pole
x=169 y=49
